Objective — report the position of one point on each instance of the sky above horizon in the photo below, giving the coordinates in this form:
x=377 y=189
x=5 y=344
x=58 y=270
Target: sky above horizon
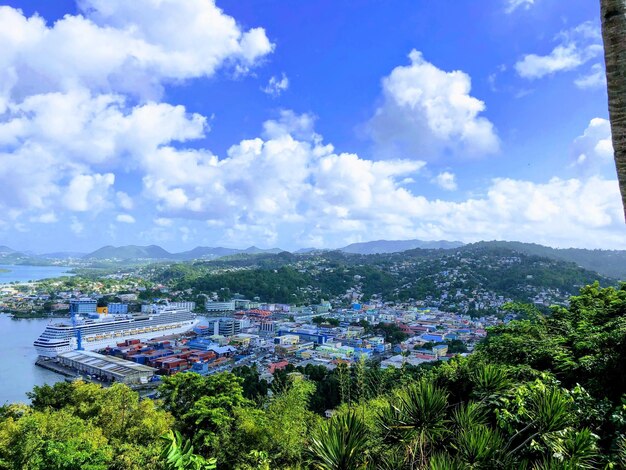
x=303 y=124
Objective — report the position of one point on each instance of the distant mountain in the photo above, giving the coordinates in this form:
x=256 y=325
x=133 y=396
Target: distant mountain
x=5 y=250
x=253 y=250
x=134 y=252
x=611 y=263
x=130 y=252
x=206 y=252
x=395 y=246
x=62 y=255
x=307 y=250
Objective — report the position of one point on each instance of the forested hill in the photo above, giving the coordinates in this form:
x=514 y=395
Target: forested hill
x=450 y=277
x=610 y=263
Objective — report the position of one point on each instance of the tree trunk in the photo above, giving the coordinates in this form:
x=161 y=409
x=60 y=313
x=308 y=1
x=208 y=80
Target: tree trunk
x=613 y=15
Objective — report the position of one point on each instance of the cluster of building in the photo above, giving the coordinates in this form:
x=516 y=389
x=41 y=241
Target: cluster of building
x=271 y=339
x=171 y=355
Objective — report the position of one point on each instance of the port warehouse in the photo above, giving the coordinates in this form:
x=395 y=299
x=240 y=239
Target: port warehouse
x=110 y=368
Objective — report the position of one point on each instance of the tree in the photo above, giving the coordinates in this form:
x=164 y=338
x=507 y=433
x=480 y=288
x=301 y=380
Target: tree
x=178 y=454
x=52 y=440
x=613 y=15
x=416 y=420
x=339 y=444
x=204 y=406
x=132 y=427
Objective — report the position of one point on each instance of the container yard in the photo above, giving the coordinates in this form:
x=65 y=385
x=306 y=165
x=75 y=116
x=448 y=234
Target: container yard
x=172 y=355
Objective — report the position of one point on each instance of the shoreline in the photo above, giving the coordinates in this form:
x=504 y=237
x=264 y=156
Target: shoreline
x=68 y=271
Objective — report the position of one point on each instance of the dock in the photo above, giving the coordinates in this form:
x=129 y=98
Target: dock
x=97 y=368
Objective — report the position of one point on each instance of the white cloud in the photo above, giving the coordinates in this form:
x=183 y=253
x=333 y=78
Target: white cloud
x=594 y=149
x=49 y=140
x=322 y=198
x=427 y=112
x=122 y=46
x=124 y=200
x=577 y=46
x=512 y=5
x=66 y=125
x=46 y=218
x=276 y=85
x=446 y=180
x=163 y=222
x=595 y=78
x=69 y=124
x=88 y=192
x=125 y=218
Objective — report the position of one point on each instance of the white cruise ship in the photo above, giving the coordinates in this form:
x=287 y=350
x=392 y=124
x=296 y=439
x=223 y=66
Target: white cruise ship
x=100 y=333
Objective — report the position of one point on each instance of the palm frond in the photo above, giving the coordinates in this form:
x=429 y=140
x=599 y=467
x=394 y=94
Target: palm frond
x=340 y=443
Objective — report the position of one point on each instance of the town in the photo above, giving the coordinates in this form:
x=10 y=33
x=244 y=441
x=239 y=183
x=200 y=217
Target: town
x=269 y=336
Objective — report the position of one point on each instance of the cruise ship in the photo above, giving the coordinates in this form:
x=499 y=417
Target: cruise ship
x=101 y=333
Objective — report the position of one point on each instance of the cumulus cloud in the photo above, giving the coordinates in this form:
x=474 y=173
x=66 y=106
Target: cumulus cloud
x=446 y=180
x=593 y=150
x=512 y=5
x=62 y=149
x=427 y=112
x=576 y=47
x=276 y=85
x=69 y=114
x=299 y=174
x=88 y=192
x=322 y=198
x=118 y=46
x=70 y=122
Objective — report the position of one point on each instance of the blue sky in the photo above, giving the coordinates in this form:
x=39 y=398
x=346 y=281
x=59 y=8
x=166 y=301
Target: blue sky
x=298 y=124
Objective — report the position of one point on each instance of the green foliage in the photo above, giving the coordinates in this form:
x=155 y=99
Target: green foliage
x=203 y=406
x=585 y=343
x=131 y=427
x=339 y=444
x=48 y=440
x=392 y=332
x=178 y=454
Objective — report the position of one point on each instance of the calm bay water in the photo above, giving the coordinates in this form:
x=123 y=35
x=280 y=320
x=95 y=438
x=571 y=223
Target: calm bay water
x=18 y=372
x=13 y=273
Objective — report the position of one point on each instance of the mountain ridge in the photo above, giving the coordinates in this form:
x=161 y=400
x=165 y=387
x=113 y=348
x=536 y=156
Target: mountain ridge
x=396 y=246
x=611 y=263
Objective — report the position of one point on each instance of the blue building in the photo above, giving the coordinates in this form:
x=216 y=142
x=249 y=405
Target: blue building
x=84 y=307
x=432 y=338
x=117 y=308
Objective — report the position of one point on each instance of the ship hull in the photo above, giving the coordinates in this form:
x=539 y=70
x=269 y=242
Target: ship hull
x=52 y=348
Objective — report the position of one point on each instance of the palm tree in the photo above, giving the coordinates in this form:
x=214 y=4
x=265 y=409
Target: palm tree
x=177 y=454
x=340 y=443
x=416 y=420
x=613 y=14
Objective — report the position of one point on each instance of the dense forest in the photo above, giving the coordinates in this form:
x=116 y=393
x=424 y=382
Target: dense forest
x=545 y=392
